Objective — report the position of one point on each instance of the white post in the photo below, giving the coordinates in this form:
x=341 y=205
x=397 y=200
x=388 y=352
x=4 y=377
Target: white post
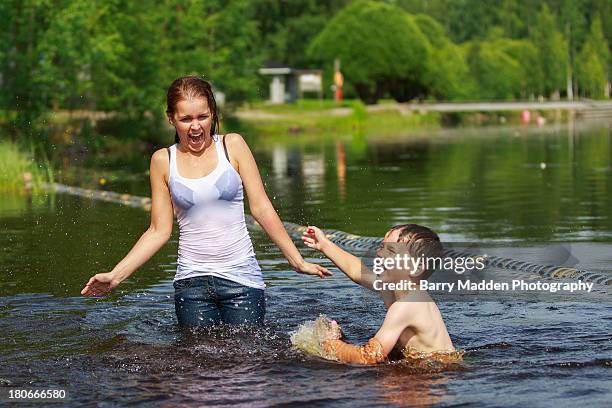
x=277 y=90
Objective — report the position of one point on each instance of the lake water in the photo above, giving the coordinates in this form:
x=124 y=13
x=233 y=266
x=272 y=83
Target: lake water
x=544 y=194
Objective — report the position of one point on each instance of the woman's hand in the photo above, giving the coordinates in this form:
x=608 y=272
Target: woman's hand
x=100 y=284
x=314 y=238
x=308 y=268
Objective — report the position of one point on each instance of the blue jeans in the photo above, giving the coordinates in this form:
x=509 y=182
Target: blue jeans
x=209 y=300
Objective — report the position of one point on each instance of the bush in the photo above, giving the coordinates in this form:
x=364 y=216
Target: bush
x=380 y=48
x=447 y=75
x=497 y=74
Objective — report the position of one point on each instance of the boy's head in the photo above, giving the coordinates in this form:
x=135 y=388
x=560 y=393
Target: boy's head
x=415 y=241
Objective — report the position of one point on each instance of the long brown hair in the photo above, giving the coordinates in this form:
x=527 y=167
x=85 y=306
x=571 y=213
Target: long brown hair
x=191 y=87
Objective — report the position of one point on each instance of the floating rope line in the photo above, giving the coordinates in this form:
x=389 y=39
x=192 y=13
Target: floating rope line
x=359 y=243
x=355 y=242
x=101 y=195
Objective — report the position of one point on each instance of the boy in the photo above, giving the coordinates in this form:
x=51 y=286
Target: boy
x=413 y=322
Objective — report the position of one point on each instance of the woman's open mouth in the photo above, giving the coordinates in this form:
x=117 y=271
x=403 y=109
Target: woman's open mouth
x=196 y=139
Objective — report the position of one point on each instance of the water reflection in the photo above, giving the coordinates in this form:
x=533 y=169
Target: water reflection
x=507 y=184
x=341 y=169
x=400 y=387
x=280 y=164
x=313 y=173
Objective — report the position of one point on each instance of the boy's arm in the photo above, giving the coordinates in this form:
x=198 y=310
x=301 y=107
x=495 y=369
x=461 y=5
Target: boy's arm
x=346 y=262
x=378 y=348
x=314 y=238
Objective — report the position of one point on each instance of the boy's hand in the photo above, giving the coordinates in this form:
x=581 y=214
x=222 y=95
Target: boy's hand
x=314 y=238
x=336 y=331
x=328 y=330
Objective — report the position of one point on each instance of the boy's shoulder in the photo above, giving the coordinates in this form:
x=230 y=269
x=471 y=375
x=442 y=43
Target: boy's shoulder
x=401 y=309
x=410 y=309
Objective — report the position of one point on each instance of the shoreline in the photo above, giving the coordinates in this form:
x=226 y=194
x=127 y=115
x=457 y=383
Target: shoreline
x=265 y=111
x=392 y=118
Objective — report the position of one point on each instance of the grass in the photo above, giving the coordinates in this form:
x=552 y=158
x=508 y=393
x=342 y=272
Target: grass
x=302 y=106
x=317 y=117
x=14 y=162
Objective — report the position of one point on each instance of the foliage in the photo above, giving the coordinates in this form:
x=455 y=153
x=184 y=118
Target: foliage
x=526 y=55
x=14 y=162
x=380 y=47
x=447 y=75
x=594 y=62
x=121 y=55
x=552 y=52
x=498 y=74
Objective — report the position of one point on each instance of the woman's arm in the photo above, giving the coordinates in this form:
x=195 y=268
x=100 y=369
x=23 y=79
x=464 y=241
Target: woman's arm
x=261 y=207
x=151 y=240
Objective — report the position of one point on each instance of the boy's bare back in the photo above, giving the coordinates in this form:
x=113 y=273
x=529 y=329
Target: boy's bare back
x=425 y=330
x=413 y=321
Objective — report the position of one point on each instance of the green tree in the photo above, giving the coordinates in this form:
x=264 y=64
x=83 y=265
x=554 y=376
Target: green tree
x=381 y=49
x=447 y=75
x=213 y=39
x=603 y=8
x=593 y=63
x=463 y=20
x=599 y=42
x=287 y=27
x=526 y=54
x=130 y=76
x=22 y=25
x=78 y=50
x=509 y=18
x=234 y=57
x=552 y=50
x=121 y=55
x=497 y=74
x=573 y=23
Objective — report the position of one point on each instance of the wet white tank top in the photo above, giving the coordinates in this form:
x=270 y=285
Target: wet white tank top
x=213 y=237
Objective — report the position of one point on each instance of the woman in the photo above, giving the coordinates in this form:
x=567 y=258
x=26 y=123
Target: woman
x=201 y=177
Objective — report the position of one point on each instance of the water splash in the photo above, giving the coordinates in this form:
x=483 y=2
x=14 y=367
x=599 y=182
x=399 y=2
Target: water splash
x=310 y=335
